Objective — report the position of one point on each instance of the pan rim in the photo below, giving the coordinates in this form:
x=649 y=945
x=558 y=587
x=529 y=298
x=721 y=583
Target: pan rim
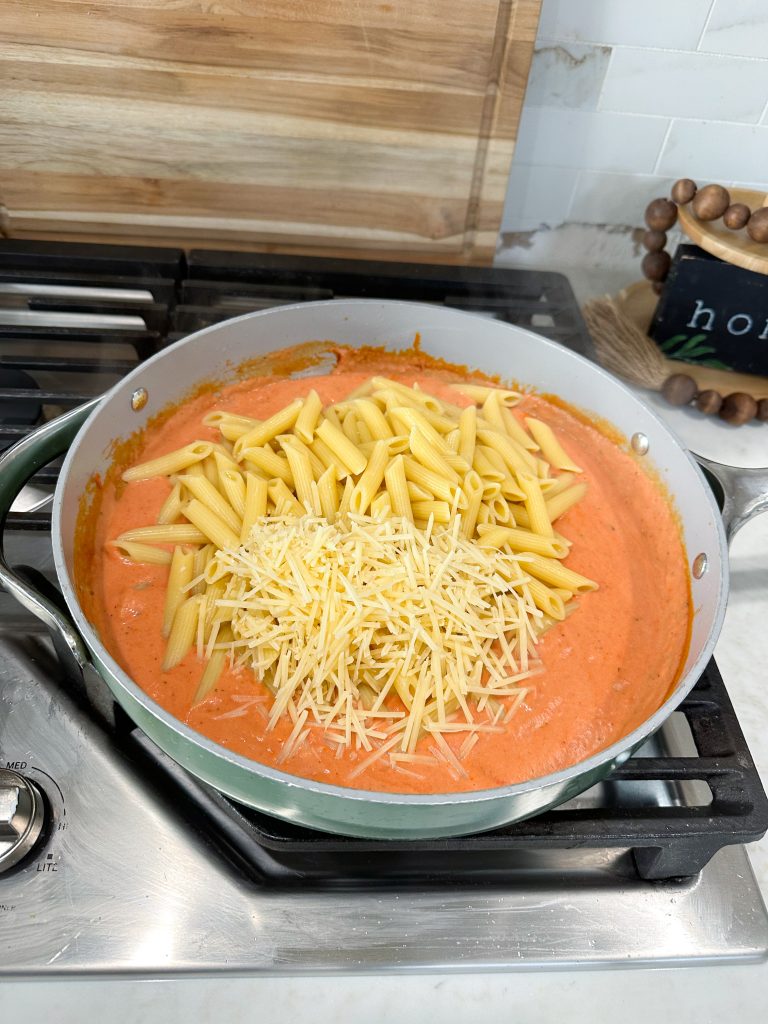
x=615 y=754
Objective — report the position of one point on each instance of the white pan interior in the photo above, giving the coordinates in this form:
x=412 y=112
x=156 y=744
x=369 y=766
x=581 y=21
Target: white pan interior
x=458 y=337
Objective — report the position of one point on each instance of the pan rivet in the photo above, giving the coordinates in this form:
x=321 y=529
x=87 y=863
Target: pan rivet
x=640 y=444
x=700 y=566
x=139 y=399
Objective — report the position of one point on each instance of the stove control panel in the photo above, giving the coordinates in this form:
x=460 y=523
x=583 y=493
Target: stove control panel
x=22 y=815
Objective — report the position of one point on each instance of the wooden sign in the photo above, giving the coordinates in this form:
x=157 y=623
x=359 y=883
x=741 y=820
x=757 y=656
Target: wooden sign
x=713 y=314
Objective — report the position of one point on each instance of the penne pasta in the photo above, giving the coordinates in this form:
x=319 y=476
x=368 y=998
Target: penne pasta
x=343 y=449
x=233 y=488
x=548 y=600
x=428 y=455
x=486 y=469
x=374 y=419
x=474 y=489
x=370 y=481
x=173 y=462
x=256 y=497
x=535 y=505
x=467 y=433
x=269 y=462
x=215 y=665
x=380 y=506
x=479 y=392
x=346 y=496
x=200 y=560
x=308 y=417
x=349 y=427
x=564 y=500
x=328 y=494
x=210 y=471
x=517 y=539
x=398 y=489
x=279 y=423
x=550 y=447
x=558 y=484
x=439 y=510
x=452 y=439
x=411 y=418
x=208 y=495
x=329 y=460
x=174 y=533
x=364 y=436
x=514 y=429
x=508 y=451
x=438 y=486
x=416 y=493
x=229 y=424
x=182 y=633
x=285 y=502
x=550 y=571
x=142 y=554
x=211 y=526
x=180 y=574
x=171 y=507
x=411 y=395
x=301 y=470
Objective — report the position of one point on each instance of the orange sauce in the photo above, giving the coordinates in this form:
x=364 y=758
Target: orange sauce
x=608 y=666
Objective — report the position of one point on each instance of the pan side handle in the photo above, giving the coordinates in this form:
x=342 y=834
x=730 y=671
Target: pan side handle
x=744 y=492
x=17 y=465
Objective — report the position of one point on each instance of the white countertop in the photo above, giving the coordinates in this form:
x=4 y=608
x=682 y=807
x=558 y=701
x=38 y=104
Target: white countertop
x=700 y=995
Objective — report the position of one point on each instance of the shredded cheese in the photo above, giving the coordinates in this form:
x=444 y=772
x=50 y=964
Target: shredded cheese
x=433 y=626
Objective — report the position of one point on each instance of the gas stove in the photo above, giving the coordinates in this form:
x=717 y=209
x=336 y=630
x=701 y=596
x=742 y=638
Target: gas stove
x=113 y=861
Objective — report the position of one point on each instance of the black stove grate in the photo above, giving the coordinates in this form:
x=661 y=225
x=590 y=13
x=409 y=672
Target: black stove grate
x=669 y=813
x=75 y=318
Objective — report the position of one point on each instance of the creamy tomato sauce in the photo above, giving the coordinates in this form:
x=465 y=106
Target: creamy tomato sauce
x=608 y=666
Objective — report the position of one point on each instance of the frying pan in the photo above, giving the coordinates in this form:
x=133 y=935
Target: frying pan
x=88 y=432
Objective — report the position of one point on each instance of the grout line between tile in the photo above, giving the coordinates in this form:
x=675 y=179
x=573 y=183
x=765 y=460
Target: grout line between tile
x=706 y=24
x=663 y=145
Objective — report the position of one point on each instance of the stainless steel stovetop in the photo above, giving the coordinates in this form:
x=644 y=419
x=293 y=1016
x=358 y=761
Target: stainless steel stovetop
x=121 y=884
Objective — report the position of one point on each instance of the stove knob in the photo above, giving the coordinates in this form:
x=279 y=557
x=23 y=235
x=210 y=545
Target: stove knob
x=22 y=814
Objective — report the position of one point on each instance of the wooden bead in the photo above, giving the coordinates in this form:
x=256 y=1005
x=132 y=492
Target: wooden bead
x=655 y=265
x=683 y=190
x=679 y=389
x=736 y=216
x=660 y=214
x=762 y=410
x=709 y=402
x=711 y=202
x=654 y=241
x=757 y=228
x=738 y=408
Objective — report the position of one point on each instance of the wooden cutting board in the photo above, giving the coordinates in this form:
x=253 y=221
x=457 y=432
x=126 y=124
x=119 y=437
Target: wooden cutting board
x=349 y=127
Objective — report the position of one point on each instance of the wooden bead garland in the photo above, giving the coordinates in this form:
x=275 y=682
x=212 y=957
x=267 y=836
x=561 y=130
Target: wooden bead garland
x=736 y=408
x=708 y=203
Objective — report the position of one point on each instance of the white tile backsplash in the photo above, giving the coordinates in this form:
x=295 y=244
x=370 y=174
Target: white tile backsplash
x=676 y=24
x=624 y=97
x=603 y=198
x=578 y=138
x=738 y=27
x=566 y=75
x=677 y=84
x=537 y=197
x=716 y=151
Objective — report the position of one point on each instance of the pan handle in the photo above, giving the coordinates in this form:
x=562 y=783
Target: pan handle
x=30 y=588
x=744 y=492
